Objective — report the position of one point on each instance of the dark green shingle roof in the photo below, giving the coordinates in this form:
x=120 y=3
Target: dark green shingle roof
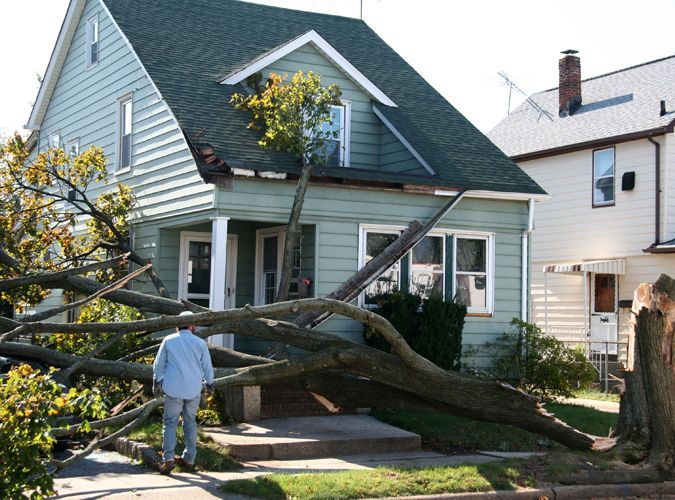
x=189 y=46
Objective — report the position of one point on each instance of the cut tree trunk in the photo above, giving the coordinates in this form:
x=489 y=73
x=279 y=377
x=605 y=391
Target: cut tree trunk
x=647 y=419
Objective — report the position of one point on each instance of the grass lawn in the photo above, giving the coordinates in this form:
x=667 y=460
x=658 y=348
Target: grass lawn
x=597 y=395
x=210 y=456
x=450 y=434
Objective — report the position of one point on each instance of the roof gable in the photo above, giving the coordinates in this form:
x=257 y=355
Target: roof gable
x=622 y=105
x=318 y=42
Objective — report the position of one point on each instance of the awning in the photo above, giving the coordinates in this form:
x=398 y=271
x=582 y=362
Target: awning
x=616 y=266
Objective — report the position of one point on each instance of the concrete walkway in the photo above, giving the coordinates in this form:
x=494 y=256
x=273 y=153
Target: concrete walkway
x=107 y=474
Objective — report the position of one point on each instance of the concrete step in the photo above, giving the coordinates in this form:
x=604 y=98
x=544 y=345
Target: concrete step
x=312 y=437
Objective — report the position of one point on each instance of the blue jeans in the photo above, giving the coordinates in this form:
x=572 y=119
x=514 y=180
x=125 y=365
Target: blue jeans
x=172 y=410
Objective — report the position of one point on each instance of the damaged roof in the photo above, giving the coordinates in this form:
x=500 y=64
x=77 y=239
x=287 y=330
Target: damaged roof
x=189 y=46
x=618 y=106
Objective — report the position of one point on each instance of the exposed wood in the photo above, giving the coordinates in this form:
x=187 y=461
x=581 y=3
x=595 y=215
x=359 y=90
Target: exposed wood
x=647 y=418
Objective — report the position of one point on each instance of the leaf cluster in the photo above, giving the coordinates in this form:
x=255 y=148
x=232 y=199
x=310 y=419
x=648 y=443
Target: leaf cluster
x=30 y=406
x=540 y=364
x=432 y=328
x=291 y=114
x=48 y=222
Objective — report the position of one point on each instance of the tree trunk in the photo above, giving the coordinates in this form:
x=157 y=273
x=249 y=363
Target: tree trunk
x=647 y=420
x=293 y=231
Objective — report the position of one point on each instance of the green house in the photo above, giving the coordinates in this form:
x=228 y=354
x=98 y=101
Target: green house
x=150 y=82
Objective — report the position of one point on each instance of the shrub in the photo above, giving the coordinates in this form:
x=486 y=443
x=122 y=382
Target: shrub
x=540 y=364
x=433 y=327
x=30 y=404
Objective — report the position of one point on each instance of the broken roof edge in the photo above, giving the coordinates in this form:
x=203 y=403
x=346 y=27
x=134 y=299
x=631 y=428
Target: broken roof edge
x=311 y=36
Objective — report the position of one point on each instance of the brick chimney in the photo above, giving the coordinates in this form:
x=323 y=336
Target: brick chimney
x=569 y=88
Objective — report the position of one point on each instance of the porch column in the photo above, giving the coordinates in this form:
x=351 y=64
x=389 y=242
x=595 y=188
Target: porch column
x=218 y=268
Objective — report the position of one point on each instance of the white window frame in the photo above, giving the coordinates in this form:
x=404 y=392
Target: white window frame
x=92 y=37
x=437 y=234
x=613 y=176
x=364 y=229
x=73 y=144
x=260 y=235
x=121 y=116
x=489 y=238
x=55 y=139
x=345 y=133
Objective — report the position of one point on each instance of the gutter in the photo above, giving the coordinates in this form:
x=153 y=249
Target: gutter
x=657 y=190
x=525 y=243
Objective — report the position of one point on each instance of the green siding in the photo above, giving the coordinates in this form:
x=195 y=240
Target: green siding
x=372 y=145
x=84 y=106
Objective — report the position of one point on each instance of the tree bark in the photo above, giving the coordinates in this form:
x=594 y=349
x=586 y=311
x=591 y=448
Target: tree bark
x=647 y=423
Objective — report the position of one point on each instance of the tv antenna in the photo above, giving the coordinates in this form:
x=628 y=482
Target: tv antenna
x=512 y=86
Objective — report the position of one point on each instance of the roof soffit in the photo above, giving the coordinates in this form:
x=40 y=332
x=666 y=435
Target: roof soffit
x=325 y=48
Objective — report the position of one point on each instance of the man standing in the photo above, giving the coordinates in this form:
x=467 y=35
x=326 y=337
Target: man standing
x=182 y=364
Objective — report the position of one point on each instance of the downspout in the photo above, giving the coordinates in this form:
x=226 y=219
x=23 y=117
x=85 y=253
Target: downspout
x=657 y=190
x=525 y=240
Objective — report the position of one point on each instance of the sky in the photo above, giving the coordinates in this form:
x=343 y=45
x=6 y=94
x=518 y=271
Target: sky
x=459 y=47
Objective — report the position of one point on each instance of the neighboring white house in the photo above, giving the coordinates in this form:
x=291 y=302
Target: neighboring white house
x=604 y=149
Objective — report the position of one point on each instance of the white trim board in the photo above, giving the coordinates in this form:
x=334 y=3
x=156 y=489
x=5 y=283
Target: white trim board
x=403 y=140
x=326 y=49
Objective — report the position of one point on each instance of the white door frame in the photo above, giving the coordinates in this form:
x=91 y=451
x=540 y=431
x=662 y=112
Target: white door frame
x=260 y=235
x=230 y=274
x=604 y=326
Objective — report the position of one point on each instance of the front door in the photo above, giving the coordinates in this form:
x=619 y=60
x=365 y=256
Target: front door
x=604 y=312
x=194 y=274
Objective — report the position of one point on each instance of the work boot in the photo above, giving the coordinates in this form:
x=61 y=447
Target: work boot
x=165 y=467
x=184 y=464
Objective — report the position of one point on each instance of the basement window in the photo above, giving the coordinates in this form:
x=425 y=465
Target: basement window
x=603 y=177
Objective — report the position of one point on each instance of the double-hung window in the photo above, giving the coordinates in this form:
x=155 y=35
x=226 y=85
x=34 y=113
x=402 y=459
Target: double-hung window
x=473 y=275
x=91 y=57
x=374 y=241
x=336 y=144
x=427 y=266
x=124 y=132
x=603 y=177
x=55 y=140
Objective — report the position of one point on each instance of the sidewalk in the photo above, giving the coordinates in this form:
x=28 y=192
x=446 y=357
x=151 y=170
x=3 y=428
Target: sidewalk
x=107 y=474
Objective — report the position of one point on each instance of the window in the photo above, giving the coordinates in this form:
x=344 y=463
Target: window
x=125 y=129
x=376 y=241
x=91 y=57
x=424 y=269
x=473 y=285
x=603 y=177
x=270 y=248
x=336 y=147
x=73 y=148
x=55 y=140
x=427 y=266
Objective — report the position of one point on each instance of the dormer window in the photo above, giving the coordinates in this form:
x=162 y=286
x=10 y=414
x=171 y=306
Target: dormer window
x=337 y=145
x=92 y=42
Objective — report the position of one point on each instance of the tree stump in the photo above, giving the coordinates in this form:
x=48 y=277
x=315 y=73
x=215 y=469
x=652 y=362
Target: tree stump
x=647 y=417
